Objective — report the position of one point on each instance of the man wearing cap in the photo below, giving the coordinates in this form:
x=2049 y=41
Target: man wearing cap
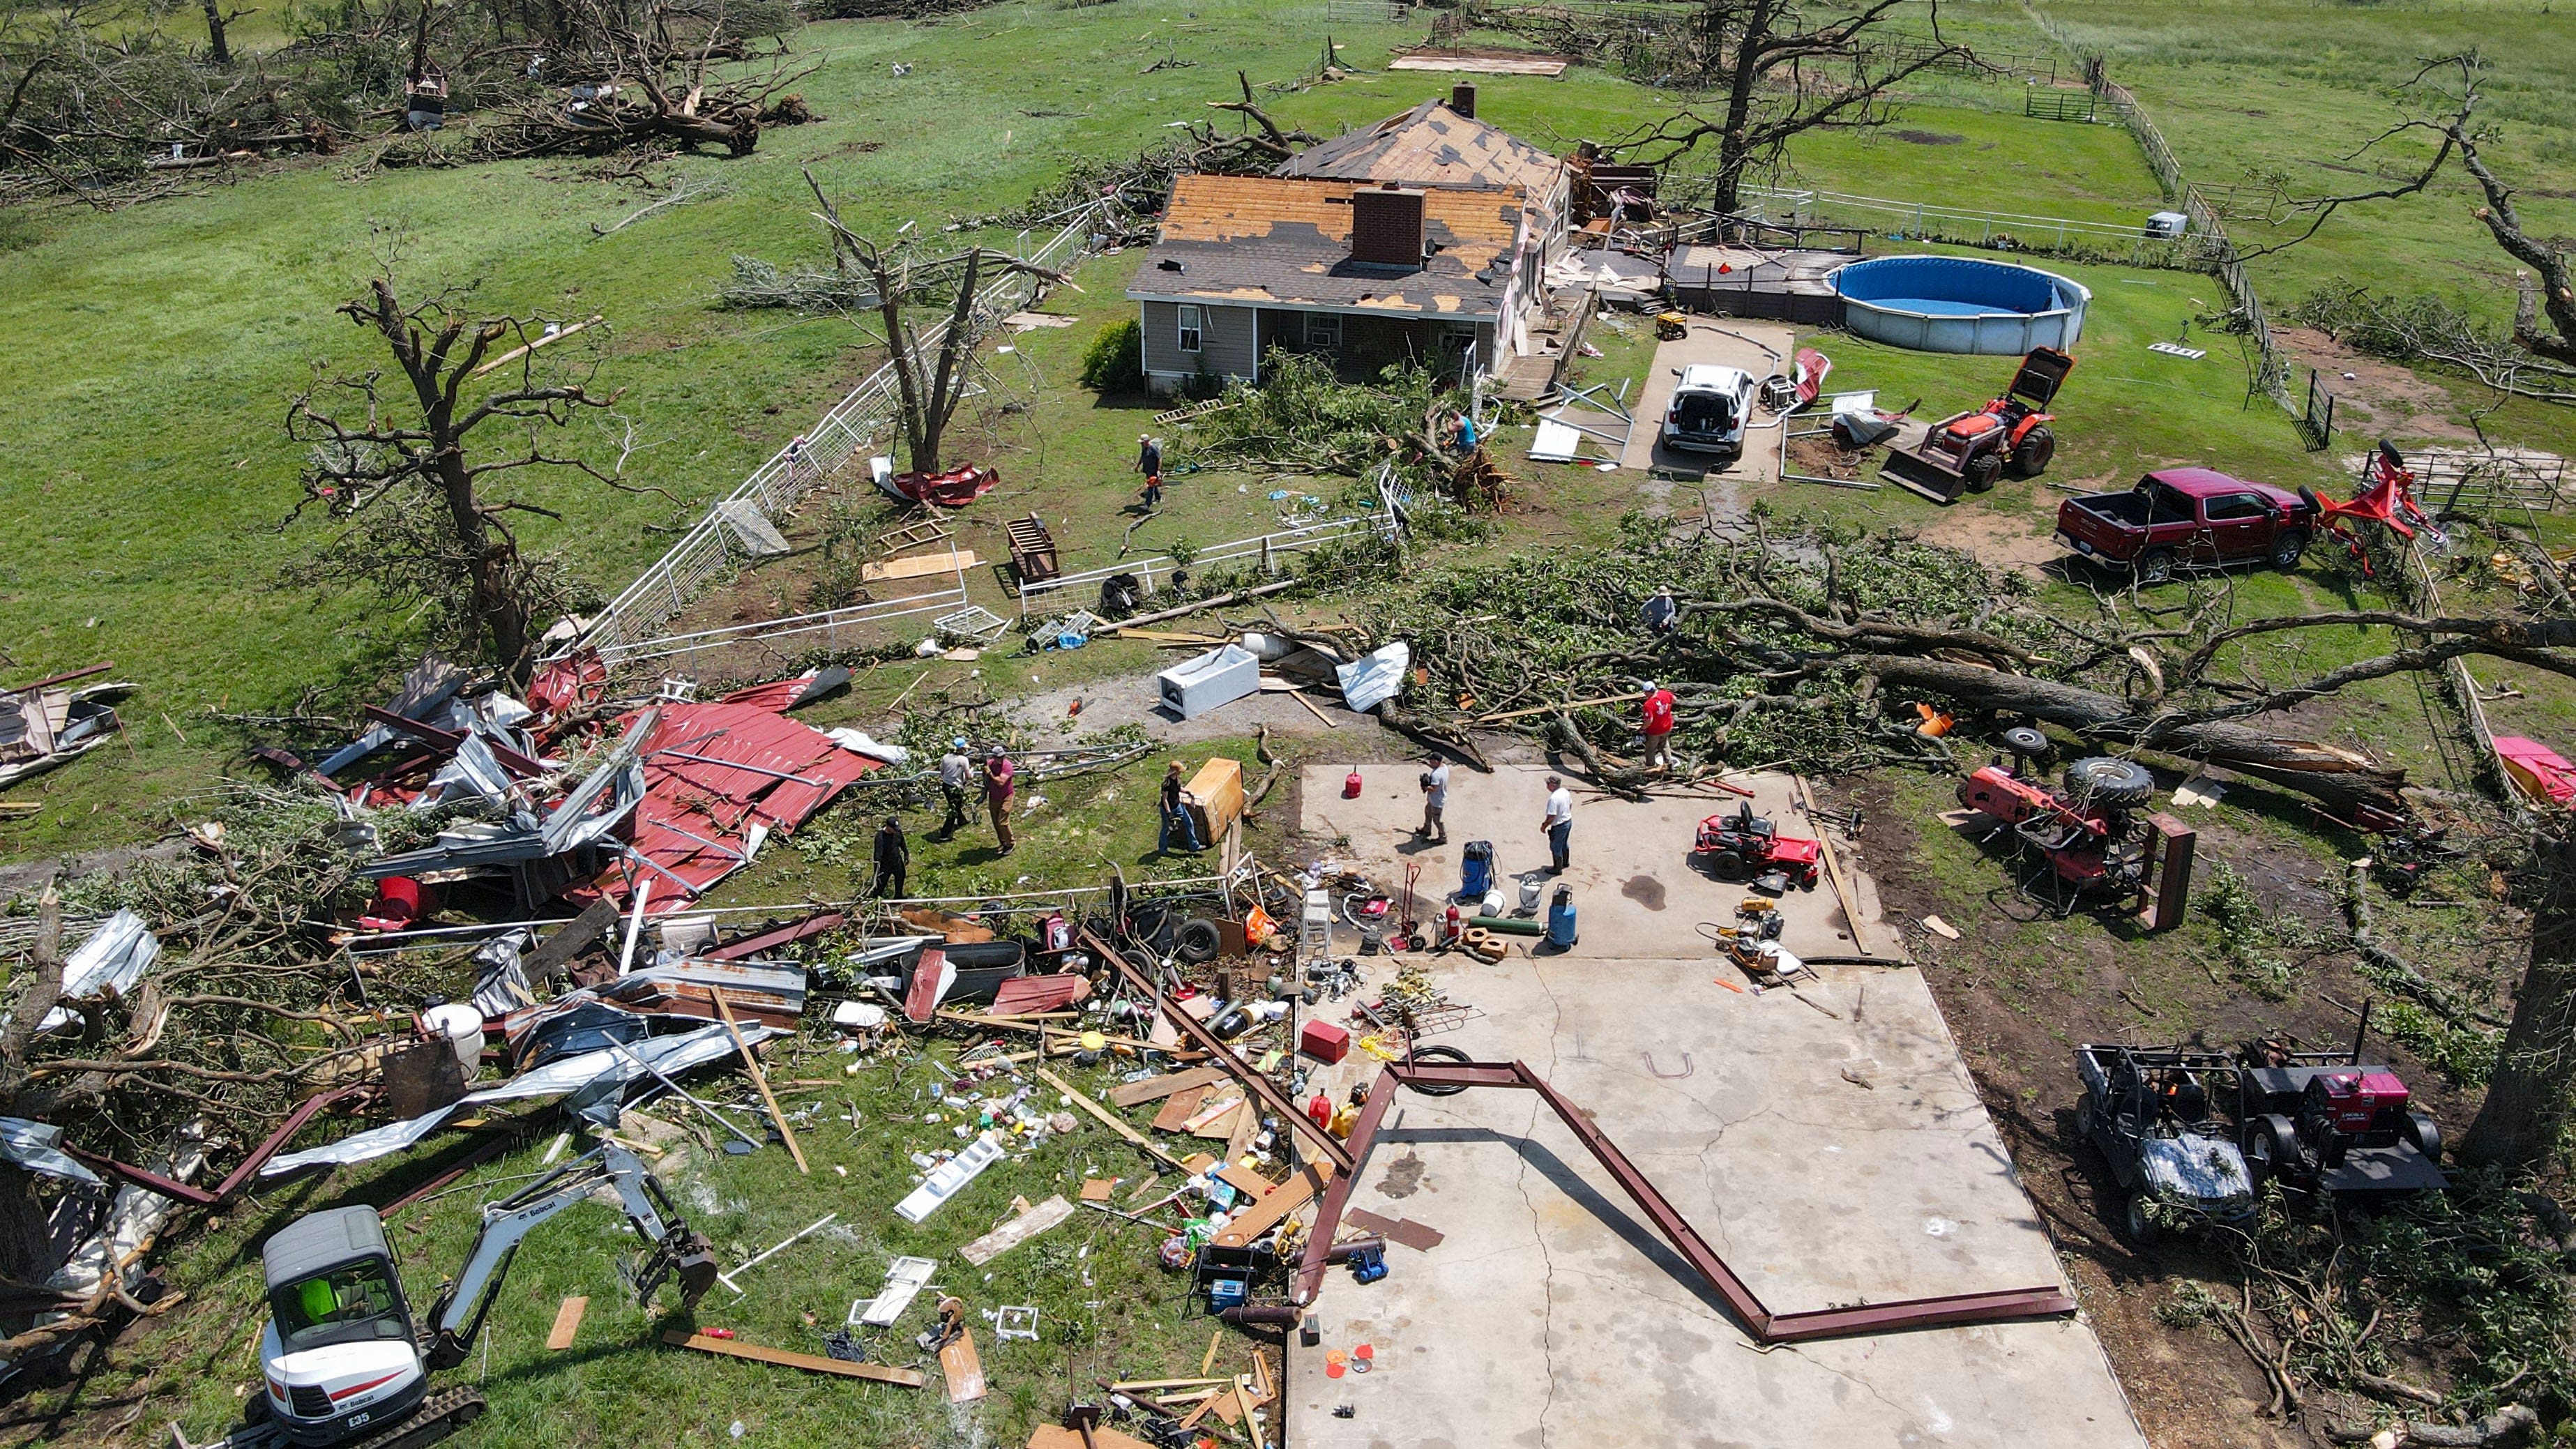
x=1149 y=461
x=1176 y=816
x=1656 y=710
x=998 y=785
x=1661 y=613
x=1435 y=799
x=1559 y=825
x=954 y=769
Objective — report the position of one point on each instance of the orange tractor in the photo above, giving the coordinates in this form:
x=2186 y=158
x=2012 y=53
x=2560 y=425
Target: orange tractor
x=2008 y=435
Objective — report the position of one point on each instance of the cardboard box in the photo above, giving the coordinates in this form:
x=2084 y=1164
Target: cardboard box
x=1323 y=1041
x=1215 y=797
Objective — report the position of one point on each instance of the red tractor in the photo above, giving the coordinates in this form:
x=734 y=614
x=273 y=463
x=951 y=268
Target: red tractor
x=2008 y=435
x=1746 y=846
x=2086 y=834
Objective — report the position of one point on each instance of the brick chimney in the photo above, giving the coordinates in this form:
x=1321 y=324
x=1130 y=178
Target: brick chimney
x=1388 y=226
x=1462 y=99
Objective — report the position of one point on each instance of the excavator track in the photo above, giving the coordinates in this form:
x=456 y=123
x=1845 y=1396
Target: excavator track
x=438 y=1416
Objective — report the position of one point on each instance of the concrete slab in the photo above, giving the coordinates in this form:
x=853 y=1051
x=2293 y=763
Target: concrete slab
x=1727 y=342
x=1830 y=1146
x=1636 y=893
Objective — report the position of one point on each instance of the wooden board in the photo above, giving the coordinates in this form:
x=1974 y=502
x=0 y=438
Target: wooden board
x=1214 y=1119
x=1179 y=1108
x=1244 y=1180
x=963 y=1368
x=919 y=566
x=567 y=1323
x=1268 y=1213
x=736 y=1348
x=1538 y=65
x=1098 y=1189
x=1136 y=1094
x=1017 y=1231
x=1107 y=1118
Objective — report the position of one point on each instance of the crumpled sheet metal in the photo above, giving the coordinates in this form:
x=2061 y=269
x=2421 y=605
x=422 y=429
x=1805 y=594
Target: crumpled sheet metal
x=1373 y=680
x=38 y=1147
x=673 y=1055
x=114 y=958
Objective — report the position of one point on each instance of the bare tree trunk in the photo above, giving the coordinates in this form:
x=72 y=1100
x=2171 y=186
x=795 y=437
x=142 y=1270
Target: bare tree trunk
x=216 y=21
x=2519 y=1124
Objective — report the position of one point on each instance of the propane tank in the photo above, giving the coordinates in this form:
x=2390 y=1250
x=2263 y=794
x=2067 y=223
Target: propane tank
x=1352 y=785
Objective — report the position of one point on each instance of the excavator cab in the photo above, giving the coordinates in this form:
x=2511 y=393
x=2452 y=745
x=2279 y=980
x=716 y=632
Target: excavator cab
x=340 y=1348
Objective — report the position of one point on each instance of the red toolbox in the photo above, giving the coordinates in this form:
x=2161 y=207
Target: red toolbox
x=1323 y=1041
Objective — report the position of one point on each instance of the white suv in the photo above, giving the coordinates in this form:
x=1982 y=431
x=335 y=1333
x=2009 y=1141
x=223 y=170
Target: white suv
x=1710 y=407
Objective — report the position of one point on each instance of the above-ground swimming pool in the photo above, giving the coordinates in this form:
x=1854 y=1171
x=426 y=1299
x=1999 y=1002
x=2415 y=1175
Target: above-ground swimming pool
x=1960 y=304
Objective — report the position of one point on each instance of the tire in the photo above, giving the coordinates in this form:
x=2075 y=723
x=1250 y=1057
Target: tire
x=1728 y=865
x=2426 y=1134
x=2155 y=566
x=2104 y=780
x=2287 y=547
x=2023 y=740
x=2272 y=1149
x=1198 y=941
x=2135 y=1224
x=2087 y=1116
x=1982 y=471
x=2037 y=447
x=1440 y=1054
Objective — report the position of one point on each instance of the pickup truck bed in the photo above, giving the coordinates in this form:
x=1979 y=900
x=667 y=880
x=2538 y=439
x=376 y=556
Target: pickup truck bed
x=2180 y=517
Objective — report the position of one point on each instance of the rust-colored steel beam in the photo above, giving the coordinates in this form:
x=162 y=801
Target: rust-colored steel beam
x=1221 y=1052
x=1764 y=1325
x=259 y=1156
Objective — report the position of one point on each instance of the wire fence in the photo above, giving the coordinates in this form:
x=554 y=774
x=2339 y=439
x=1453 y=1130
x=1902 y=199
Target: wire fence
x=629 y=627
x=1263 y=549
x=2193 y=250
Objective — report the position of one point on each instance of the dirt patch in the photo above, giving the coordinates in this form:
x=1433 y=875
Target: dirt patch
x=2006 y=540
x=2373 y=394
x=1819 y=458
x=1914 y=137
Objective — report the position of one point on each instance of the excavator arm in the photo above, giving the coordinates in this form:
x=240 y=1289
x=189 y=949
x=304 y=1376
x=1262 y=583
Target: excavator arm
x=671 y=1245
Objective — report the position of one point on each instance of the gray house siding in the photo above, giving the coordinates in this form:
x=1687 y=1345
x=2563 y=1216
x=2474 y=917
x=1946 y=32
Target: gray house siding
x=1228 y=343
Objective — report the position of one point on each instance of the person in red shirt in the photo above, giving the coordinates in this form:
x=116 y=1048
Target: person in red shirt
x=998 y=784
x=1657 y=710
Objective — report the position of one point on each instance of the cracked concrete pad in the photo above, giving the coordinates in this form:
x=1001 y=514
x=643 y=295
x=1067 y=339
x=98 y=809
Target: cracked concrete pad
x=1552 y=1314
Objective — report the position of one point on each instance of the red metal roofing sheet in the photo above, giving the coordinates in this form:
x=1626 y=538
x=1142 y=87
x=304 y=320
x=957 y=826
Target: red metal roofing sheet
x=714 y=798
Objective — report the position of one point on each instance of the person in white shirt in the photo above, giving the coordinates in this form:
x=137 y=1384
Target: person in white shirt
x=954 y=770
x=1435 y=799
x=1559 y=823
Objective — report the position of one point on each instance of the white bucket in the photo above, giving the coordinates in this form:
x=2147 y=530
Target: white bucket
x=461 y=1027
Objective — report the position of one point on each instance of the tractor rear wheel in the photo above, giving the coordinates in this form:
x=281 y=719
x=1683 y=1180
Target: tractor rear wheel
x=2031 y=458
x=1983 y=470
x=2106 y=780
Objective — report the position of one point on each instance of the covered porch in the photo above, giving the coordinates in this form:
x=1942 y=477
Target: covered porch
x=1361 y=344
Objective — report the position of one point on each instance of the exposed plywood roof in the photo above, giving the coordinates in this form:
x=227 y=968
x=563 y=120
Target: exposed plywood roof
x=1431 y=145
x=1261 y=240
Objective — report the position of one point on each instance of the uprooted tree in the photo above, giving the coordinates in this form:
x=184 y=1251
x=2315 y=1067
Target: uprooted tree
x=401 y=465
x=928 y=384
x=1777 y=69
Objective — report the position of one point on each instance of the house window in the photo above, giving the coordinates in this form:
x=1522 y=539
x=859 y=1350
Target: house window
x=1324 y=331
x=1189 y=329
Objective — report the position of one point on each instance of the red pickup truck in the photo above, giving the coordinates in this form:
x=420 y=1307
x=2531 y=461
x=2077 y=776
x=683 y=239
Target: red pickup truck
x=2188 y=516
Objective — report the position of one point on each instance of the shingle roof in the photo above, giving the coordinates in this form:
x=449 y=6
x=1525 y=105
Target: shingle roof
x=1260 y=239
x=1430 y=145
